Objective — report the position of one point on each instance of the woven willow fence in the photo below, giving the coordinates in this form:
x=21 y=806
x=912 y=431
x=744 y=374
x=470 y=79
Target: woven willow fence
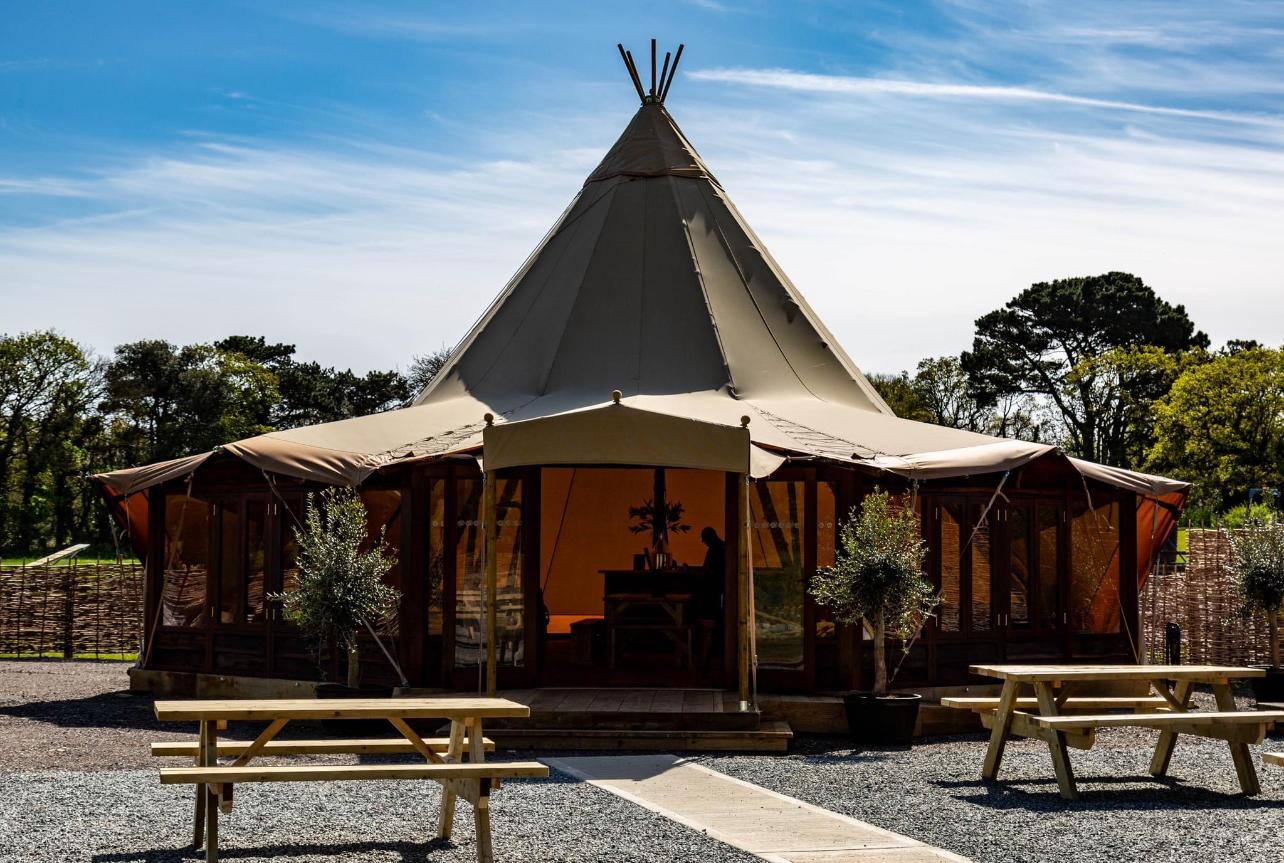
x=1200 y=598
x=87 y=611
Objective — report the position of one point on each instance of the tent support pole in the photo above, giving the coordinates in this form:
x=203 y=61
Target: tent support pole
x=743 y=588
x=490 y=530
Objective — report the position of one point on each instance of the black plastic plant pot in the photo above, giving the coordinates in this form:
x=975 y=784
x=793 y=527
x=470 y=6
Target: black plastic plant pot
x=886 y=720
x=1271 y=687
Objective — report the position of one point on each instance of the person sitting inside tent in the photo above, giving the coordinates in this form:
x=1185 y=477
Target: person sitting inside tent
x=708 y=604
x=715 y=559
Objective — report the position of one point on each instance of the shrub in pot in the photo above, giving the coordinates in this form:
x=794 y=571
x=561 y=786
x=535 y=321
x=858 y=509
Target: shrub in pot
x=1257 y=566
x=877 y=582
x=340 y=588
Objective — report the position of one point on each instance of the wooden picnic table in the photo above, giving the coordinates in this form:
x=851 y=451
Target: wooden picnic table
x=458 y=762
x=1049 y=715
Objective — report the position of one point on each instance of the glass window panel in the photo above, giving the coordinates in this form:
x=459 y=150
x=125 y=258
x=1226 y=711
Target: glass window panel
x=383 y=517
x=470 y=619
x=1046 y=518
x=951 y=552
x=1094 y=567
x=187 y=561
x=255 y=559
x=292 y=516
x=979 y=530
x=776 y=542
x=231 y=564
x=1019 y=568
x=826 y=539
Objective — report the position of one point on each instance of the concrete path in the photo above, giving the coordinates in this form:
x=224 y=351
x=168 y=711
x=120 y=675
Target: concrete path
x=772 y=826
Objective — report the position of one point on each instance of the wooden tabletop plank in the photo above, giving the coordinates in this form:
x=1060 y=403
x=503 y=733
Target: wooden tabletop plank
x=341 y=708
x=1158 y=720
x=1046 y=673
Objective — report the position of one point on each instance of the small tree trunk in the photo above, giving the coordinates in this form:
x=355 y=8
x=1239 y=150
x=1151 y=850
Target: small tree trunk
x=354 y=668
x=880 y=656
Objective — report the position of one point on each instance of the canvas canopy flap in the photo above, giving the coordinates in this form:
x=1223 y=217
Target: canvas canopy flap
x=617 y=435
x=1145 y=484
x=134 y=479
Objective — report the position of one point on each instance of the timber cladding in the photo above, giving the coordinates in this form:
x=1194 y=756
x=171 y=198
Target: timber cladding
x=1200 y=597
x=87 y=611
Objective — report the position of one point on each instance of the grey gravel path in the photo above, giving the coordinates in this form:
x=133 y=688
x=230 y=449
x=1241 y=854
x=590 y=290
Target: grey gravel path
x=126 y=816
x=934 y=794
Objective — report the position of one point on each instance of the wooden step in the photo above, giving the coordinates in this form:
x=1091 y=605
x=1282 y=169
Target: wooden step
x=1273 y=758
x=769 y=737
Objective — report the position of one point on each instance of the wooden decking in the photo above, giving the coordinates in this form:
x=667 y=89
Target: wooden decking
x=638 y=719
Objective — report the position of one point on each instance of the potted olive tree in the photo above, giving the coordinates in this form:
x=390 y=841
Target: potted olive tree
x=1257 y=566
x=877 y=581
x=340 y=588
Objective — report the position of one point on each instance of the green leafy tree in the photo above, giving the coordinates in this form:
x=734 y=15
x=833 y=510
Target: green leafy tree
x=1034 y=343
x=877 y=576
x=46 y=384
x=941 y=393
x=1257 y=566
x=340 y=588
x=426 y=367
x=1221 y=425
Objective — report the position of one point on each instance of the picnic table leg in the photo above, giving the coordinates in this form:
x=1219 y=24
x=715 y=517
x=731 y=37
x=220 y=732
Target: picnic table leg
x=211 y=826
x=1057 y=743
x=209 y=755
x=454 y=754
x=1239 y=751
x=1168 y=739
x=999 y=731
x=198 y=831
x=481 y=809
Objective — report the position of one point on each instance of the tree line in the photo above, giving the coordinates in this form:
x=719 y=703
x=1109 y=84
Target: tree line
x=1101 y=366
x=1109 y=371
x=66 y=414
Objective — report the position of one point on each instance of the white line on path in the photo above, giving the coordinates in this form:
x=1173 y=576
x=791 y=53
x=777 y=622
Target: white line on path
x=768 y=825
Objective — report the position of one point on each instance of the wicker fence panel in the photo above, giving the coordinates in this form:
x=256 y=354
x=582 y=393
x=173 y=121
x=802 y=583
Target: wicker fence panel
x=1200 y=598
x=88 y=610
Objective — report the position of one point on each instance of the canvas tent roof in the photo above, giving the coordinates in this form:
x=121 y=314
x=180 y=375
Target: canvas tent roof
x=652 y=284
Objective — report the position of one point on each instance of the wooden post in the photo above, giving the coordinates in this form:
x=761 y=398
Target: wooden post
x=742 y=569
x=490 y=532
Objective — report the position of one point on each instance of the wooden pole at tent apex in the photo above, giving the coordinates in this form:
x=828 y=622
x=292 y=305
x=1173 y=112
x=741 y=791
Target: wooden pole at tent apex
x=742 y=588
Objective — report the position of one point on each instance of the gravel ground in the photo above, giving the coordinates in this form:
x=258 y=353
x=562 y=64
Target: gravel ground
x=67 y=729
x=934 y=793
x=126 y=816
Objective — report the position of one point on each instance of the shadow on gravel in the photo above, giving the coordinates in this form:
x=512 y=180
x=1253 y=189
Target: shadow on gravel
x=409 y=851
x=1168 y=794
x=108 y=709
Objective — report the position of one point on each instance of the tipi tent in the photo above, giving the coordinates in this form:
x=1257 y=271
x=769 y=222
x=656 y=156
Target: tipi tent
x=651 y=328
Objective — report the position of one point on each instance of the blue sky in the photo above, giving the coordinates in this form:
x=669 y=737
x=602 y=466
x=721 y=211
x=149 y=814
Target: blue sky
x=362 y=179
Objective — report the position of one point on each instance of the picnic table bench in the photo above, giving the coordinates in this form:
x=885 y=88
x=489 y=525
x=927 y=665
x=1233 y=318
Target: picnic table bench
x=1055 y=716
x=457 y=762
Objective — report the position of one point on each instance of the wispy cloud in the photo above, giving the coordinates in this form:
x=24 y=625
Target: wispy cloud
x=784 y=79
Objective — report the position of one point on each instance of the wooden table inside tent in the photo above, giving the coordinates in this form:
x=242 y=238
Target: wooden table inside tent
x=1064 y=719
x=458 y=762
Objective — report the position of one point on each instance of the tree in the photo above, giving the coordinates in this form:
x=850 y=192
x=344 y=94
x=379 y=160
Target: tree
x=46 y=383
x=311 y=393
x=1257 y=566
x=940 y=393
x=174 y=401
x=877 y=576
x=1221 y=425
x=1032 y=345
x=424 y=368
x=340 y=588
